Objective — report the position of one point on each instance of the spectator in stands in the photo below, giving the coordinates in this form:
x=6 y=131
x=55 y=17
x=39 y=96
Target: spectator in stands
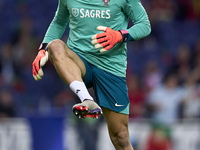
x=162 y=10
x=182 y=64
x=191 y=103
x=185 y=10
x=164 y=100
x=196 y=55
x=196 y=8
x=7 y=107
x=26 y=42
x=136 y=97
x=152 y=76
x=159 y=139
x=6 y=65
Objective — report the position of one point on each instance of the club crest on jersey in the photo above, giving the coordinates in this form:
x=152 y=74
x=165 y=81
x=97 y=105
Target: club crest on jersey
x=75 y=12
x=105 y=2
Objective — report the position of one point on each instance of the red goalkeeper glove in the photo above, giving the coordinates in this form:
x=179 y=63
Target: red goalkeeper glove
x=106 y=40
x=39 y=62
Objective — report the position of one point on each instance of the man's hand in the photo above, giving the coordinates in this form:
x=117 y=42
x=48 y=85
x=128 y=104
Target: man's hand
x=106 y=40
x=38 y=63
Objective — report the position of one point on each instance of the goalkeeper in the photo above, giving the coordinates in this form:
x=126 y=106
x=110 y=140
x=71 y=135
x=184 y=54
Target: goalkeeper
x=95 y=55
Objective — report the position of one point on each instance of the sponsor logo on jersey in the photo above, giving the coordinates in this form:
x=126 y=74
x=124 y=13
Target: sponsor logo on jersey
x=86 y=13
x=106 y=2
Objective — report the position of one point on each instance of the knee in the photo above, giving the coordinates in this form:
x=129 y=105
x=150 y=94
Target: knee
x=56 y=47
x=120 y=138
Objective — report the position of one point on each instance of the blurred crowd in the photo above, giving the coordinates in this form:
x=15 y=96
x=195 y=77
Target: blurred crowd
x=163 y=72
x=163 y=69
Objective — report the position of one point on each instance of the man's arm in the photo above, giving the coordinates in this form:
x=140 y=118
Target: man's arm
x=55 y=31
x=141 y=28
x=138 y=15
x=58 y=25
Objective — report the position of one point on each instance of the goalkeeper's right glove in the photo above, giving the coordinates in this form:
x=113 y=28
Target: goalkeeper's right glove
x=107 y=39
x=39 y=62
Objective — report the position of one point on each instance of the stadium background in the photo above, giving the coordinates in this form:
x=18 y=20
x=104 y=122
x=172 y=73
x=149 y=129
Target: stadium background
x=163 y=79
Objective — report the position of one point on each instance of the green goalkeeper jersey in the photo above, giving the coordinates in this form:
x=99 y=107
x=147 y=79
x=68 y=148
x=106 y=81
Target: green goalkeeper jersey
x=84 y=16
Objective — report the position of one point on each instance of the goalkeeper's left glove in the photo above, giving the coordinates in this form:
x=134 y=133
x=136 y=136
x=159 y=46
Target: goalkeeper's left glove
x=108 y=39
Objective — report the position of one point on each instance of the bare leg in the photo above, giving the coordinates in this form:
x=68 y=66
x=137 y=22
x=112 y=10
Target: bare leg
x=71 y=69
x=67 y=63
x=118 y=129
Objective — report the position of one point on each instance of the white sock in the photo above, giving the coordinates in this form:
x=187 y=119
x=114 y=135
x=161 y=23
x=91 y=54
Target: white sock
x=80 y=90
